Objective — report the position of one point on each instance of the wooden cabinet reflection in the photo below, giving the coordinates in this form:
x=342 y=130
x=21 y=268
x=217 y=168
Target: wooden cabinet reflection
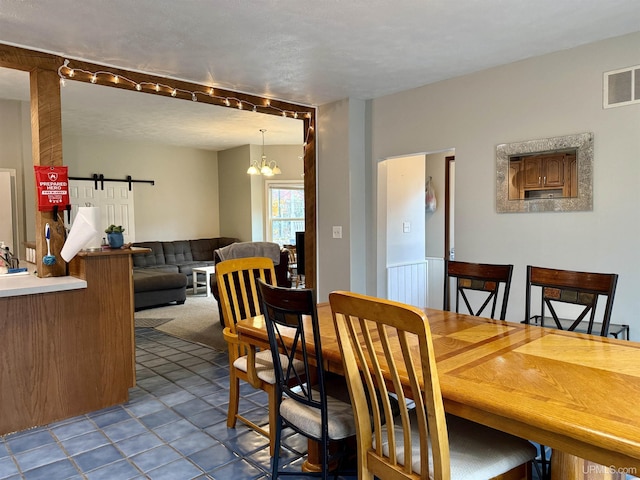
x=543 y=175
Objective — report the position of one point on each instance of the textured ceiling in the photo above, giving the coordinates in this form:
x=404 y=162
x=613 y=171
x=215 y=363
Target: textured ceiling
x=302 y=51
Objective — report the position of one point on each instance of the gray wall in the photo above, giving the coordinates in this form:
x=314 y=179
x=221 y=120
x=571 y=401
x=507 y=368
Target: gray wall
x=551 y=95
x=434 y=228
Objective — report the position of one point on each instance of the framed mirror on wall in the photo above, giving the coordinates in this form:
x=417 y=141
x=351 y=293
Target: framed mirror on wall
x=545 y=175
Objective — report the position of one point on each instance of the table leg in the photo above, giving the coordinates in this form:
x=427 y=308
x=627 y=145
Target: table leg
x=565 y=466
x=194 y=278
x=208 y=283
x=313 y=463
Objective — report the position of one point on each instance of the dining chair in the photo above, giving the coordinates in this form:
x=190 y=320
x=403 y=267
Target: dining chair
x=293 y=266
x=377 y=341
x=560 y=289
x=303 y=401
x=477 y=283
x=578 y=290
x=238 y=291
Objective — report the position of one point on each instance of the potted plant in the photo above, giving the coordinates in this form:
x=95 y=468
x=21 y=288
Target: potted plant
x=114 y=236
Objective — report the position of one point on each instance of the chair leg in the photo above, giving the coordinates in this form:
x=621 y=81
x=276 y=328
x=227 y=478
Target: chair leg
x=273 y=420
x=234 y=399
x=275 y=445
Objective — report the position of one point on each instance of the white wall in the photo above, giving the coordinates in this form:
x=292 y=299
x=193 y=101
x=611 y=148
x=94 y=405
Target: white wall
x=405 y=209
x=547 y=96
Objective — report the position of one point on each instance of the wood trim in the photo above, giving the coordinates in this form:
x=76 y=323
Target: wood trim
x=47 y=98
x=447 y=204
x=310 y=206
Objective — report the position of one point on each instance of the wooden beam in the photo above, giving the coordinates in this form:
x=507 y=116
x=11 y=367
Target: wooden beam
x=46 y=145
x=310 y=205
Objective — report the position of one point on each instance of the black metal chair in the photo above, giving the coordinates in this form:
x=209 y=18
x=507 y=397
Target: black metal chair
x=482 y=280
x=578 y=289
x=302 y=400
x=581 y=289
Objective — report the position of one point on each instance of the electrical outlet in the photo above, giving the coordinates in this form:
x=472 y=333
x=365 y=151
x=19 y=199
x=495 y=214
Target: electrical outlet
x=337 y=232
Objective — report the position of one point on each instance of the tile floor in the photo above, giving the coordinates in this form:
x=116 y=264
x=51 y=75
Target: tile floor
x=173 y=427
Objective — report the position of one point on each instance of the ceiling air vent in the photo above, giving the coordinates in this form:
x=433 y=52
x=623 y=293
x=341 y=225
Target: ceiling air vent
x=622 y=87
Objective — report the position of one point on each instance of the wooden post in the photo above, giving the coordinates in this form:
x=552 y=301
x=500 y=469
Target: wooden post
x=46 y=140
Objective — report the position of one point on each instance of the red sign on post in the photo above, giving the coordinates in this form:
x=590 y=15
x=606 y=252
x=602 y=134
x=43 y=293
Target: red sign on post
x=53 y=187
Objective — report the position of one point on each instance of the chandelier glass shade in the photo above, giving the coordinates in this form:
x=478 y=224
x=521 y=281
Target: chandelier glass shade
x=265 y=167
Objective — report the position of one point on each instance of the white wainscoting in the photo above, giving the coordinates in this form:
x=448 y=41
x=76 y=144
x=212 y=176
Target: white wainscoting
x=419 y=283
x=407 y=283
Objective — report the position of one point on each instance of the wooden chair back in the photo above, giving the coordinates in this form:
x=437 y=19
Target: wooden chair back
x=482 y=278
x=293 y=266
x=582 y=289
x=359 y=320
x=239 y=294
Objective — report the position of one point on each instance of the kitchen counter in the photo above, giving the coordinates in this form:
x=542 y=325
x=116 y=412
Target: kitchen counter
x=66 y=343
x=15 y=284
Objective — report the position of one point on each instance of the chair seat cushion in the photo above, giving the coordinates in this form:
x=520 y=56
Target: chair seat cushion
x=476 y=452
x=308 y=419
x=264 y=365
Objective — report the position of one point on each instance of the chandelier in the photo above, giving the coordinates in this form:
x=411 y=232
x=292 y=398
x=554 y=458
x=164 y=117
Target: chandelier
x=268 y=169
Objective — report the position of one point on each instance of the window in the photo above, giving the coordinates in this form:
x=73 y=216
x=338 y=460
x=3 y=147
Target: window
x=285 y=203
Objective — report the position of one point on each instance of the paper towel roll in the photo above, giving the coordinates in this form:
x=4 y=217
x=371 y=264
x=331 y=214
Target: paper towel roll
x=92 y=216
x=82 y=233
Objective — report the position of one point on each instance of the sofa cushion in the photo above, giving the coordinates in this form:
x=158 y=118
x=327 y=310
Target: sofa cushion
x=160 y=268
x=177 y=252
x=223 y=242
x=202 y=249
x=154 y=258
x=148 y=280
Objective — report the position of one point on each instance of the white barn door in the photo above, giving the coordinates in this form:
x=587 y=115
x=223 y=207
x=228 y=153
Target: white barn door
x=115 y=202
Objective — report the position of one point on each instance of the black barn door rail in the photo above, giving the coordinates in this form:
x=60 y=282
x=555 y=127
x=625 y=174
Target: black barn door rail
x=99 y=179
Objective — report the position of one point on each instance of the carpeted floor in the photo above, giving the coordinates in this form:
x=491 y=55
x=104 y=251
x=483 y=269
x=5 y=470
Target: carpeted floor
x=197 y=321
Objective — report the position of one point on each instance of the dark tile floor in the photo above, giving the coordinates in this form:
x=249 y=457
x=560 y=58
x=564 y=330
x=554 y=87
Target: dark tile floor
x=173 y=427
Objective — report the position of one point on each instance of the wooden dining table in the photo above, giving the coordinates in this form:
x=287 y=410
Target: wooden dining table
x=574 y=392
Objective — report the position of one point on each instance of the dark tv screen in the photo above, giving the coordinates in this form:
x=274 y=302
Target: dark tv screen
x=300 y=252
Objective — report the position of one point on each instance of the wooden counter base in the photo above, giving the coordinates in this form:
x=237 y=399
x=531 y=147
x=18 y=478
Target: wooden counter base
x=68 y=353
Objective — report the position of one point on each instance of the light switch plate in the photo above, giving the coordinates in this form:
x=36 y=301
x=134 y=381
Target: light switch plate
x=337 y=232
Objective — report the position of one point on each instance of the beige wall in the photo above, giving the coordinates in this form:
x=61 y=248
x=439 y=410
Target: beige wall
x=235 y=193
x=551 y=95
x=242 y=196
x=434 y=228
x=12 y=156
x=183 y=203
